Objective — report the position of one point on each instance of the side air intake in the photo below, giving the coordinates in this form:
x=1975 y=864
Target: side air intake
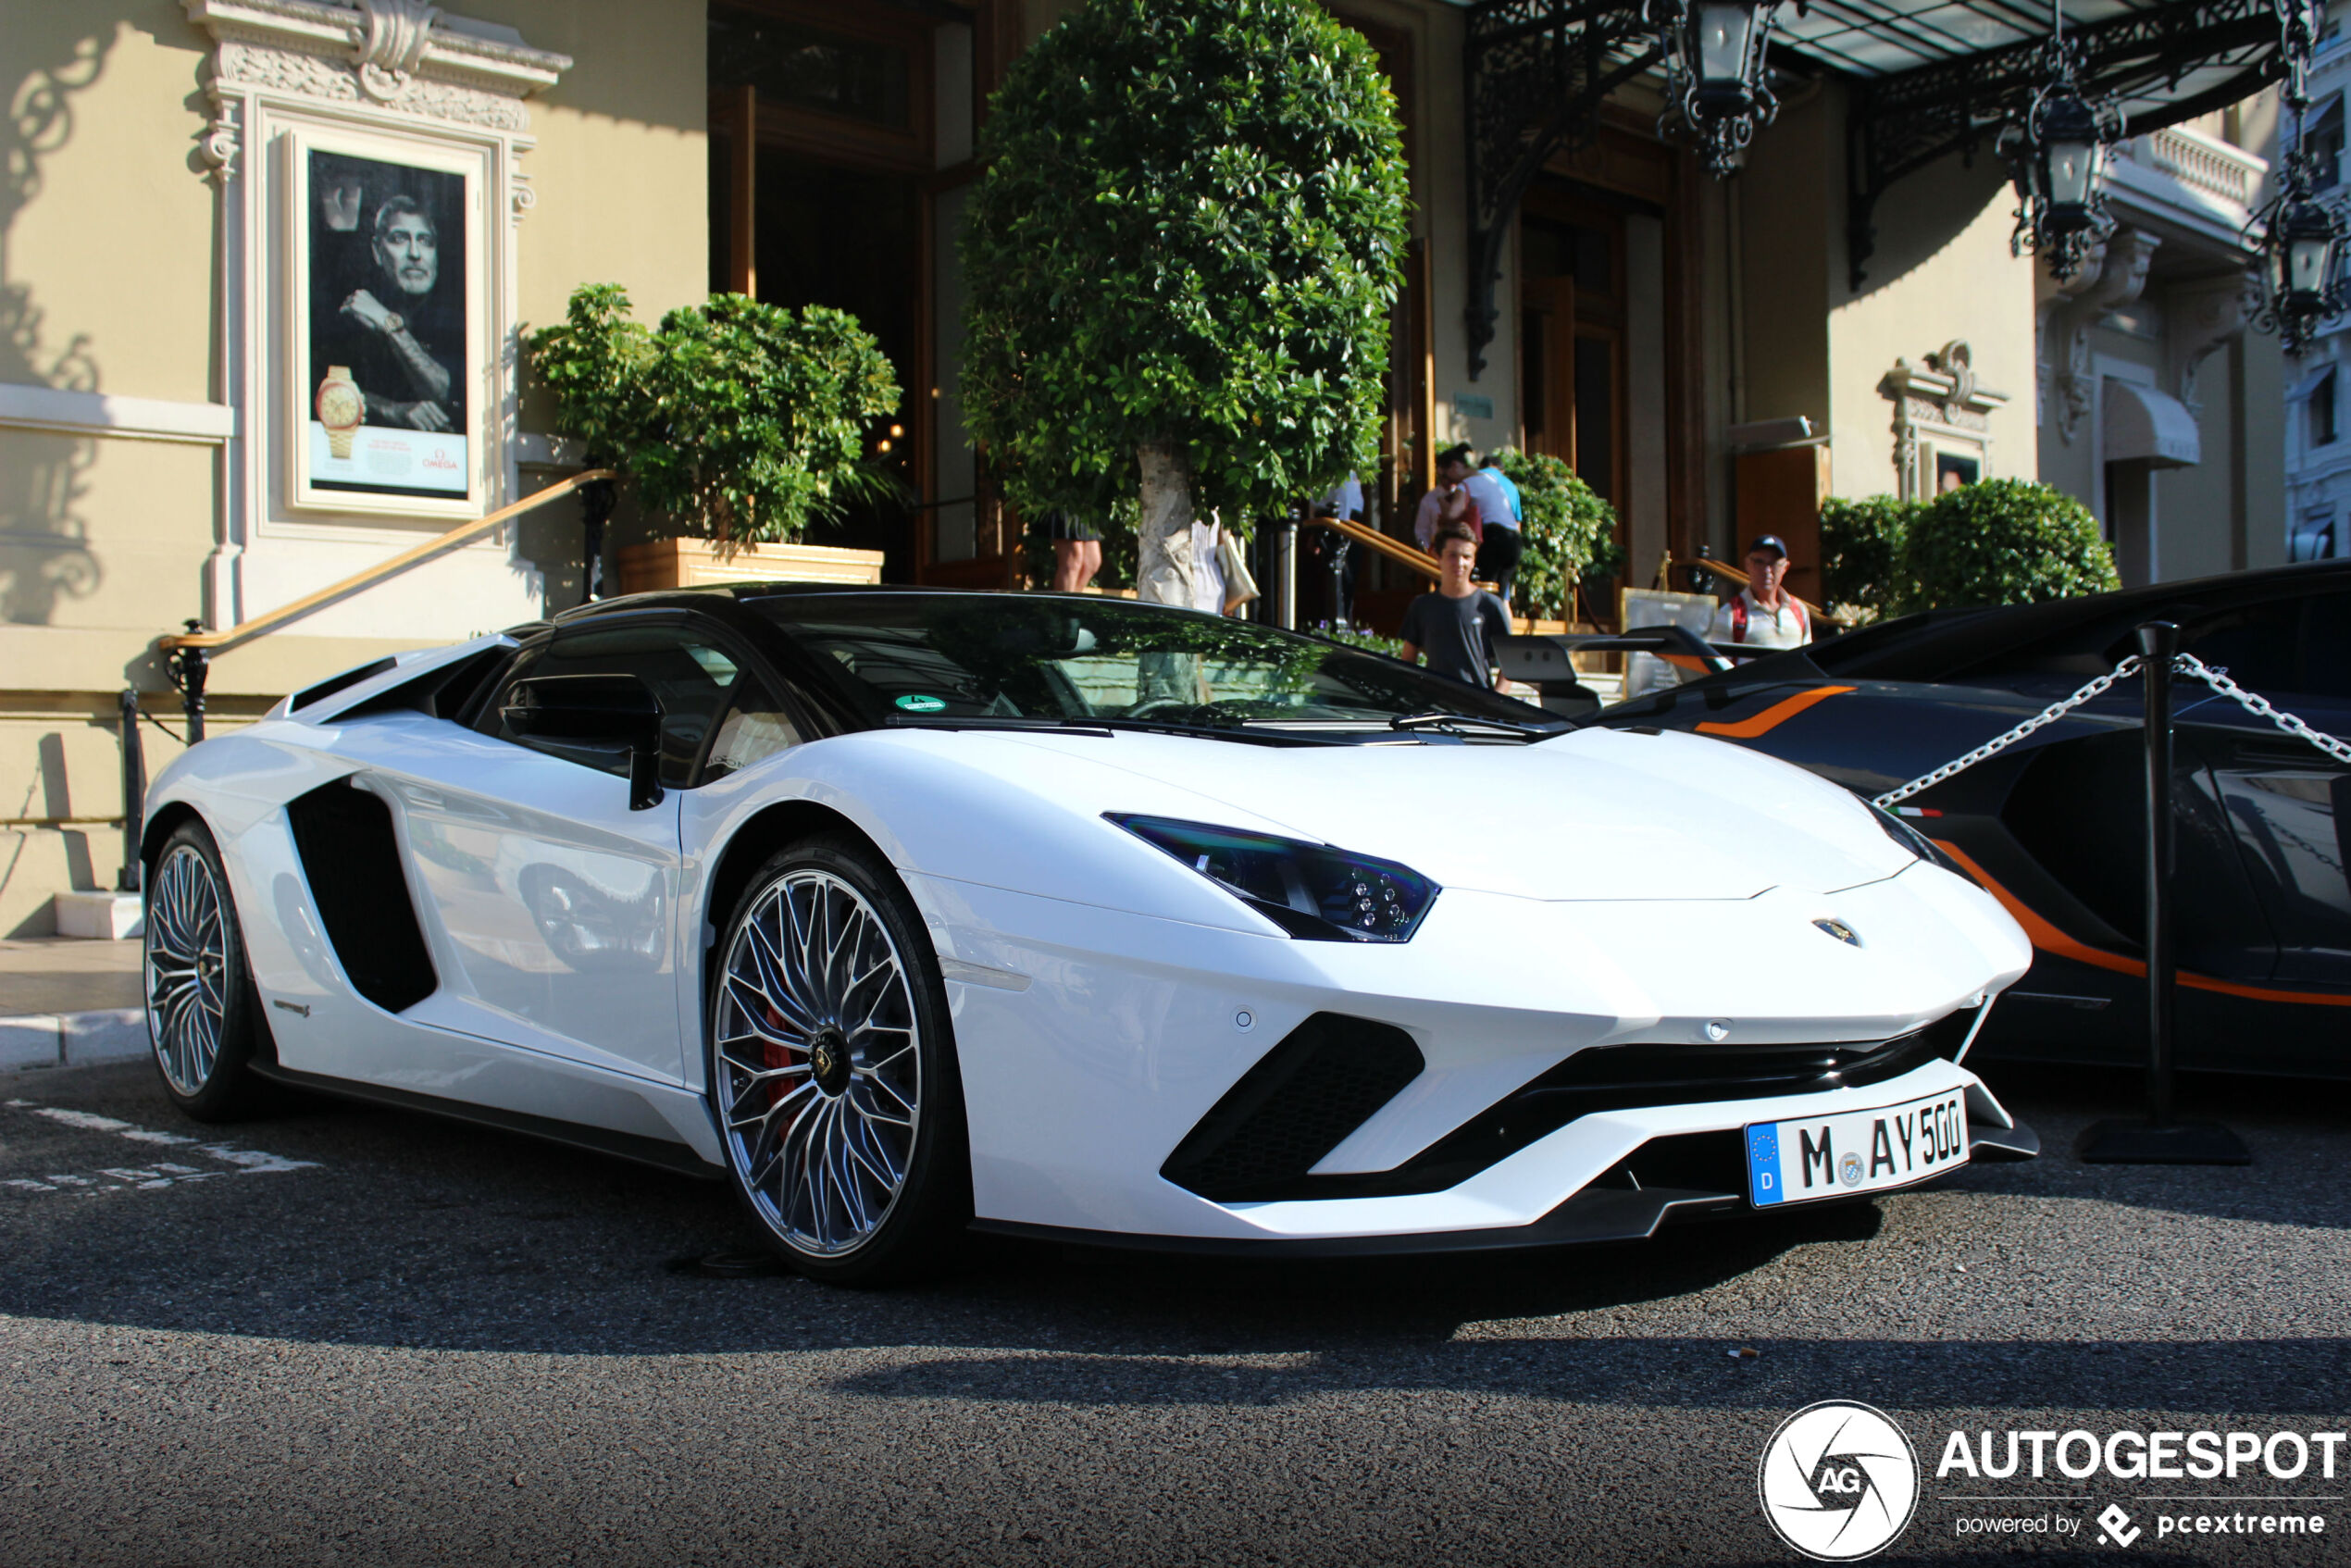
x=351 y=861
x=1301 y=1099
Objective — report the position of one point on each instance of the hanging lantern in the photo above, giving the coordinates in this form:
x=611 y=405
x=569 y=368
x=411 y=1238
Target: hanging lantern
x=2058 y=159
x=1714 y=72
x=2298 y=245
x=2066 y=168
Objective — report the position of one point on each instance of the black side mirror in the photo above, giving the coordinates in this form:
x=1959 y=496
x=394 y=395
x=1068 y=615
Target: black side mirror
x=594 y=710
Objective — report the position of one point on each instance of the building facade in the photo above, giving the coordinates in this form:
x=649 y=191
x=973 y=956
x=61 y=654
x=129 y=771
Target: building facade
x=203 y=419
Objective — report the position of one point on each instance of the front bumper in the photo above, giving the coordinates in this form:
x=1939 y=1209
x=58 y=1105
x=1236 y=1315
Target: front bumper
x=1093 y=1042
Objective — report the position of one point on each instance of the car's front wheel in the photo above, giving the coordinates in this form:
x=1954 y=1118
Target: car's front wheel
x=202 y=1017
x=833 y=1071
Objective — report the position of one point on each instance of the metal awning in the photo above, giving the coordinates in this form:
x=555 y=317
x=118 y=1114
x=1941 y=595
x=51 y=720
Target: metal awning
x=2143 y=425
x=1927 y=77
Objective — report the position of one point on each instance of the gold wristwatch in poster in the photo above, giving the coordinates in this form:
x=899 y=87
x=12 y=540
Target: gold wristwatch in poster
x=341 y=408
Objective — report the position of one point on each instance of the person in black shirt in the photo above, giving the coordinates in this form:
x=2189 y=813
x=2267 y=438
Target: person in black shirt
x=1456 y=626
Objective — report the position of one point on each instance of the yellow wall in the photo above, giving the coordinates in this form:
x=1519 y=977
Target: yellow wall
x=622 y=170
x=108 y=246
x=1942 y=271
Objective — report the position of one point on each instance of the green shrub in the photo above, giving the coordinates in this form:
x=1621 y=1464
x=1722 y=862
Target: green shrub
x=1361 y=636
x=2004 y=542
x=1181 y=261
x=732 y=419
x=1863 y=576
x=1569 y=533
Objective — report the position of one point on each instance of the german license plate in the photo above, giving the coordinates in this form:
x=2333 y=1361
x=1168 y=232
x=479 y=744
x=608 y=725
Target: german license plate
x=1854 y=1150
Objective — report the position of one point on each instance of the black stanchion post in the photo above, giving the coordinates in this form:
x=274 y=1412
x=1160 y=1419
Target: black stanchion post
x=134 y=793
x=189 y=668
x=2161 y=1139
x=595 y=510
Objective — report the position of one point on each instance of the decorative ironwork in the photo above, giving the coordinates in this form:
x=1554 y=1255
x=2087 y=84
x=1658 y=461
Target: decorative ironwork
x=1535 y=74
x=1901 y=123
x=2056 y=153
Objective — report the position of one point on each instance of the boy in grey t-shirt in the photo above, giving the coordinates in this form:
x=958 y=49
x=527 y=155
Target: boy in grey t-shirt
x=1456 y=626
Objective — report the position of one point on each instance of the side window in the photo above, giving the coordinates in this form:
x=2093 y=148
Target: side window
x=2255 y=644
x=690 y=673
x=2326 y=645
x=756 y=726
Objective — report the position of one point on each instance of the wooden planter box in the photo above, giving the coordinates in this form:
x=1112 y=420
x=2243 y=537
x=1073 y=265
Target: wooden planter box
x=690 y=562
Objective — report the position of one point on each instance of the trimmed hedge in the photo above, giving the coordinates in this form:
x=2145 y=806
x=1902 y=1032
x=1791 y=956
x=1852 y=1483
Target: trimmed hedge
x=2000 y=542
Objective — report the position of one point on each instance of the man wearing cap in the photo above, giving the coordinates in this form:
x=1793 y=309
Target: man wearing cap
x=1764 y=614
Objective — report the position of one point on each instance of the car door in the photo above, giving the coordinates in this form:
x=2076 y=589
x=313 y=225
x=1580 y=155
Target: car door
x=555 y=902
x=2289 y=802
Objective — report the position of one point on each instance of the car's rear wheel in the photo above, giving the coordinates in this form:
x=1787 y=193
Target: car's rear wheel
x=833 y=1072
x=202 y=1012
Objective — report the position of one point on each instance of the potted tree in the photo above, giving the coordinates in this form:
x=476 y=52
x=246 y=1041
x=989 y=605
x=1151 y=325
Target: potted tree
x=1180 y=264
x=737 y=425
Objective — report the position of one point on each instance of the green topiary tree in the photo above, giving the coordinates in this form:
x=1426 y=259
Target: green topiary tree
x=2004 y=542
x=1567 y=533
x=1863 y=576
x=1180 y=265
x=733 y=419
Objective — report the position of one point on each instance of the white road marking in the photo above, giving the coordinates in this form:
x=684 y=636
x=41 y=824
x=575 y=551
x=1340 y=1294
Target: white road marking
x=89 y=1122
x=246 y=1161
x=253 y=1162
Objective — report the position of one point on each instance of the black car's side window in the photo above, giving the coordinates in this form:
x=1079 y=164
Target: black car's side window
x=687 y=672
x=2284 y=647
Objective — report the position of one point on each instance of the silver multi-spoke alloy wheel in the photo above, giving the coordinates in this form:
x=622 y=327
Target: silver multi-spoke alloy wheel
x=819 y=1054
x=187 y=953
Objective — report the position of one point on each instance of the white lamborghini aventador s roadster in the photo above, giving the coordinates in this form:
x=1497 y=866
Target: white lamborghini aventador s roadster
x=913 y=911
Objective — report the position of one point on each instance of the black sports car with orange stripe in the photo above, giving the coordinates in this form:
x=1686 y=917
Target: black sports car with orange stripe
x=2055 y=825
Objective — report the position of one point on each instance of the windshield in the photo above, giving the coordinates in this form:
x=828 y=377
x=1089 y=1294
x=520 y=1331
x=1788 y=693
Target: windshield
x=1010 y=658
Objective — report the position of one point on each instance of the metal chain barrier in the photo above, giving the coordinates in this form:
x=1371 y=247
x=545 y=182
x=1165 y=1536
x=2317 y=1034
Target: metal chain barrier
x=2001 y=743
x=2258 y=706
x=2184 y=664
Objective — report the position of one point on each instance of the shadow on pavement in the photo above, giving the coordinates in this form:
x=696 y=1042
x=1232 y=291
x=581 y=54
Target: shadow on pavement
x=412 y=1232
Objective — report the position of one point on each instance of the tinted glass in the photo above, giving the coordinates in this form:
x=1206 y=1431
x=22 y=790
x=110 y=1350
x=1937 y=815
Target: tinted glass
x=756 y=726
x=1016 y=657
x=688 y=675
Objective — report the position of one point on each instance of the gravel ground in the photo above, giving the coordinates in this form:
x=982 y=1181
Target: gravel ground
x=431 y=1344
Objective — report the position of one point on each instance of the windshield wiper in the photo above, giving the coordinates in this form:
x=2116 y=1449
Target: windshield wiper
x=1471 y=724
x=1105 y=724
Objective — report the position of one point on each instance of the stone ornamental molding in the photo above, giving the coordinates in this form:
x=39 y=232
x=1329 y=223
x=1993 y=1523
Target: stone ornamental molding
x=1939 y=406
x=2103 y=285
x=402 y=57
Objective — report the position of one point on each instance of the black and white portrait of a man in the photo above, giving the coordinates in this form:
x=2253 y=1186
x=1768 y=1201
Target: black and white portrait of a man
x=388 y=317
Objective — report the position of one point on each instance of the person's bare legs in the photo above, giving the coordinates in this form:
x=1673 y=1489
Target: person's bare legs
x=1074 y=563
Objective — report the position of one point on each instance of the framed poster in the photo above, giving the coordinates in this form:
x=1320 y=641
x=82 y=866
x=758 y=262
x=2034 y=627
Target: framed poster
x=384 y=318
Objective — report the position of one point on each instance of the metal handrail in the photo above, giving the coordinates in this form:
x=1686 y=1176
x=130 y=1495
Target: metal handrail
x=1394 y=549
x=187 y=653
x=219 y=642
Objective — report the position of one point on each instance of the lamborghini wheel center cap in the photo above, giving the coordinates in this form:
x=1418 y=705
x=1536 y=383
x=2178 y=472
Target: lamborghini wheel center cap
x=829 y=1060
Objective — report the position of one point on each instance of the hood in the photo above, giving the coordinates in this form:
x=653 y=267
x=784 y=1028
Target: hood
x=1597 y=814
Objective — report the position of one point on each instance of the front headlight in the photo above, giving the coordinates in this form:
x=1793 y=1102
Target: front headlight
x=1310 y=890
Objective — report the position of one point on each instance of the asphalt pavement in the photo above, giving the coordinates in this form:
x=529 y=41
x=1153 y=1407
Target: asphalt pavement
x=344 y=1334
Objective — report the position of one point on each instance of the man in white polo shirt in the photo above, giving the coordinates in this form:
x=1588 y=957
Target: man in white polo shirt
x=1764 y=614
